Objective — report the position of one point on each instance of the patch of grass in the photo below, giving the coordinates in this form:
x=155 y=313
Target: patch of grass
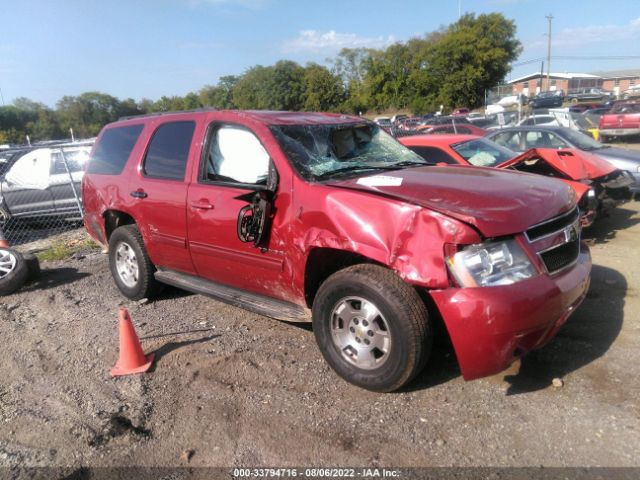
x=61 y=249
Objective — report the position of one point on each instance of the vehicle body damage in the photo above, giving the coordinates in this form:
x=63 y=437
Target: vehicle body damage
x=598 y=184
x=499 y=253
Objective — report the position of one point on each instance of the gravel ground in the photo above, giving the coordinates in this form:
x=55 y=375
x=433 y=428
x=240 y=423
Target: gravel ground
x=231 y=388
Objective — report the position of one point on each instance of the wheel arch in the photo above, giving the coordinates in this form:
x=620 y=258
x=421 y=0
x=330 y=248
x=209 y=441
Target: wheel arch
x=322 y=262
x=114 y=219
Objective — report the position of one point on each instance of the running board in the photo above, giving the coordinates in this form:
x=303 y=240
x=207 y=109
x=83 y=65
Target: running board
x=253 y=302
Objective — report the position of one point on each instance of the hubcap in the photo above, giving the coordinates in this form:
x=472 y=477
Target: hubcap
x=360 y=332
x=7 y=262
x=127 y=264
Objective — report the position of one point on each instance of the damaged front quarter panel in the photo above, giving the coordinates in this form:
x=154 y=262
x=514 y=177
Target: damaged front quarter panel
x=405 y=237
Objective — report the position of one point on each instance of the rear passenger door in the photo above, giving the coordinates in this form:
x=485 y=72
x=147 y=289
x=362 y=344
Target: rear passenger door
x=159 y=192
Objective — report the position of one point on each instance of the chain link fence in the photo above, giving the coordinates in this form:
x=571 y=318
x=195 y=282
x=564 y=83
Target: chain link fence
x=40 y=193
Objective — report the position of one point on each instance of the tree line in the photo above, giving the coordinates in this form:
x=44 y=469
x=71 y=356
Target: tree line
x=453 y=66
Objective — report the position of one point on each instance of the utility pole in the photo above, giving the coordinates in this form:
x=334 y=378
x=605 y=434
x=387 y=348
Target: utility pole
x=548 y=17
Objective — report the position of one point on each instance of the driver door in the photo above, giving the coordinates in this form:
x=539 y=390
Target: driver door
x=233 y=169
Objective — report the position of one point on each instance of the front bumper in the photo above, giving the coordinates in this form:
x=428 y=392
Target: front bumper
x=492 y=326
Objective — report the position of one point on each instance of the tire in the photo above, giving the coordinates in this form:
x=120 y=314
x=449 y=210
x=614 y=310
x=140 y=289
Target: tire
x=13 y=271
x=383 y=348
x=5 y=218
x=33 y=267
x=130 y=265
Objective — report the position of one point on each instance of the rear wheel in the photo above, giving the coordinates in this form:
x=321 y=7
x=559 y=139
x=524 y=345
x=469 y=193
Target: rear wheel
x=130 y=266
x=371 y=327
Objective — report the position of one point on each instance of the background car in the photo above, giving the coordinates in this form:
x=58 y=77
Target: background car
x=466 y=129
x=520 y=139
x=631 y=92
x=597 y=183
x=623 y=120
x=576 y=95
x=39 y=183
x=546 y=100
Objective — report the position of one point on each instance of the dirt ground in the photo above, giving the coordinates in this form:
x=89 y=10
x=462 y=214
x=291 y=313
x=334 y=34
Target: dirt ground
x=231 y=388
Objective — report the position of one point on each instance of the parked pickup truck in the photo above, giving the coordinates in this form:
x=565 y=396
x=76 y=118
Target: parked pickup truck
x=326 y=218
x=623 y=120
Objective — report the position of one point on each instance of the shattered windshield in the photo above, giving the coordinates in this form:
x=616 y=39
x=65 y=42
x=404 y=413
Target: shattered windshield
x=483 y=152
x=322 y=151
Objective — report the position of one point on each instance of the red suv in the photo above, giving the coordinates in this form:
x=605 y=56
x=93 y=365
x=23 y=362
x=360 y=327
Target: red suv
x=322 y=217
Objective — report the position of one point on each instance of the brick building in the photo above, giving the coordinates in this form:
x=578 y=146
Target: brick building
x=614 y=81
x=620 y=80
x=533 y=84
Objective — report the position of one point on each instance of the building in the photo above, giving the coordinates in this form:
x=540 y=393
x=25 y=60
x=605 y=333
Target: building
x=614 y=81
x=535 y=83
x=620 y=80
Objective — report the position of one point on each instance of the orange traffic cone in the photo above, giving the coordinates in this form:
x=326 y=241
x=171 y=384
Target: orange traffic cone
x=132 y=359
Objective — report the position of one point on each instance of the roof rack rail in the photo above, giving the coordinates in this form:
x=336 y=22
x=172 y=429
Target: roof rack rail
x=159 y=114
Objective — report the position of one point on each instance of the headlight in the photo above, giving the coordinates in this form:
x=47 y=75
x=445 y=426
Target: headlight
x=490 y=264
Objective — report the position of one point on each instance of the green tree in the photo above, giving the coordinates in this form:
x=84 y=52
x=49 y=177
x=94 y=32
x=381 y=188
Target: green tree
x=220 y=95
x=87 y=113
x=352 y=65
x=323 y=91
x=280 y=87
x=469 y=57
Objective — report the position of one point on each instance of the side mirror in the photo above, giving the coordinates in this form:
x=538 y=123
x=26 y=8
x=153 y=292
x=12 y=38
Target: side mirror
x=254 y=219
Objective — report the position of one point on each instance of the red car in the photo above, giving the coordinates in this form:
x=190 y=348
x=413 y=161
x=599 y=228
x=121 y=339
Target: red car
x=460 y=112
x=597 y=184
x=326 y=218
x=623 y=120
x=455 y=128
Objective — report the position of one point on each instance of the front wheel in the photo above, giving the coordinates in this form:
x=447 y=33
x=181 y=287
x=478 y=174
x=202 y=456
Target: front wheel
x=130 y=266
x=371 y=327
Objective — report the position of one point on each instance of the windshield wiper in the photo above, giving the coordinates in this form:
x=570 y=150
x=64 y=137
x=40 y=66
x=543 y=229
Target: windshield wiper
x=354 y=168
x=407 y=163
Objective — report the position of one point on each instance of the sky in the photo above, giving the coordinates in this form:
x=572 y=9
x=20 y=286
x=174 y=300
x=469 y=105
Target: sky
x=150 y=48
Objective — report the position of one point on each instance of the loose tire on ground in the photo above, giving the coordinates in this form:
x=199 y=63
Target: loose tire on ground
x=13 y=271
x=371 y=327
x=130 y=265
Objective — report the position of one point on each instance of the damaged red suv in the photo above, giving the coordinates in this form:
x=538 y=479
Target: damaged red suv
x=326 y=218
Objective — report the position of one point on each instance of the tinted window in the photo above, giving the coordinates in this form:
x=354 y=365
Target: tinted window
x=113 y=150
x=433 y=154
x=169 y=150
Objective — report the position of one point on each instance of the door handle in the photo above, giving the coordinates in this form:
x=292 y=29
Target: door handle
x=139 y=193
x=202 y=204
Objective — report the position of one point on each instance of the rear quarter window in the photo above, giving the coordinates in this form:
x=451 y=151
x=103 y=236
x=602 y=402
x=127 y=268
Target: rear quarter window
x=113 y=150
x=169 y=150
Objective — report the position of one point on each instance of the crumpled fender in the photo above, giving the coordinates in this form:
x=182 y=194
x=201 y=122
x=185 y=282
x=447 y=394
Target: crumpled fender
x=575 y=164
x=405 y=237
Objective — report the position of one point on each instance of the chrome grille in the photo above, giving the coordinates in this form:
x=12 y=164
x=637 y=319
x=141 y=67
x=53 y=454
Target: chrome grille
x=562 y=256
x=554 y=225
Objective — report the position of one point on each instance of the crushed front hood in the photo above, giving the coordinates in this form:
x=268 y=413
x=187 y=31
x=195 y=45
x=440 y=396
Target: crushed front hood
x=495 y=202
x=574 y=164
